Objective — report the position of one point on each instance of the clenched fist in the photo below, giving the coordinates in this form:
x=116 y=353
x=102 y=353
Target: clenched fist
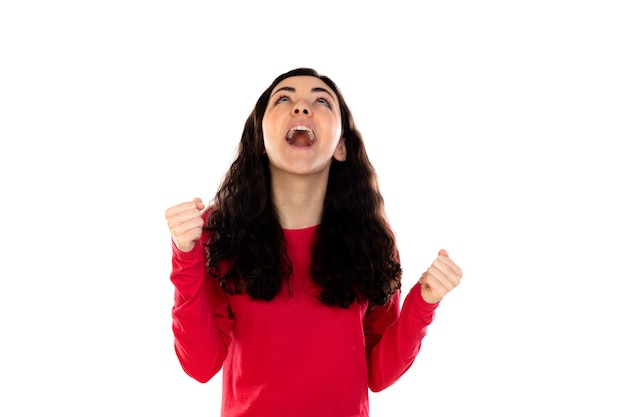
x=438 y=280
x=185 y=223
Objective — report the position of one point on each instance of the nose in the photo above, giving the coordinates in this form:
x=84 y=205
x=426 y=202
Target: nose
x=301 y=106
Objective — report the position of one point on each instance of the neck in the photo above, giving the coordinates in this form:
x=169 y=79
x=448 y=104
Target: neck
x=299 y=200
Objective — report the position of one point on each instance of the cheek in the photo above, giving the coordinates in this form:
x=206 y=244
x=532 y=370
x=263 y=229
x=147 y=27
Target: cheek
x=268 y=128
x=335 y=130
x=270 y=135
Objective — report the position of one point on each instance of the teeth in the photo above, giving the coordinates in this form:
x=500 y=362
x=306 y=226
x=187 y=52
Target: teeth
x=301 y=128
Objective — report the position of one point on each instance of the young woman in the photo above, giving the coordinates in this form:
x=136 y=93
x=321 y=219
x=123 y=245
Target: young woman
x=289 y=280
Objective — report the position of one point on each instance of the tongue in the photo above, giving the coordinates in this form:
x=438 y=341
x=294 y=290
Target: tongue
x=300 y=138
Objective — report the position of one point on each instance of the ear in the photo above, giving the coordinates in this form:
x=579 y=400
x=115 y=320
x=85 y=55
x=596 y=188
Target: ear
x=340 y=152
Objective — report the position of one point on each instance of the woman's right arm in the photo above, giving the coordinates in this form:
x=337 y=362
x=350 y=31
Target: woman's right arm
x=201 y=320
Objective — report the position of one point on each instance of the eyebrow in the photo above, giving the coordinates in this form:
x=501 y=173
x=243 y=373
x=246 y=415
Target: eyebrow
x=313 y=90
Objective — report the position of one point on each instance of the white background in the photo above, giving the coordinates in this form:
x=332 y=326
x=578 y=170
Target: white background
x=497 y=129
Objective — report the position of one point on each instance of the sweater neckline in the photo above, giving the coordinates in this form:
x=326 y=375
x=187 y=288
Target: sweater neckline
x=304 y=232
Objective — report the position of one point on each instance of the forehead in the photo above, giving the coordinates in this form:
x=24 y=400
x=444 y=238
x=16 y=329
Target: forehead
x=304 y=84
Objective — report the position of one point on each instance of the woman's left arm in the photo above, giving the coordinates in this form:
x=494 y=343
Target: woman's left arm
x=394 y=334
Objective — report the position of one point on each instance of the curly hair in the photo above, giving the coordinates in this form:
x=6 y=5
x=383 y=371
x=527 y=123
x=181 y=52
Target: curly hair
x=355 y=255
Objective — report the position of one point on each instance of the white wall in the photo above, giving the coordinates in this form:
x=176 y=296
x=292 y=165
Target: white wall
x=497 y=129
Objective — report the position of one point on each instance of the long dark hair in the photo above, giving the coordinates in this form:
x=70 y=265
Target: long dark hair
x=355 y=256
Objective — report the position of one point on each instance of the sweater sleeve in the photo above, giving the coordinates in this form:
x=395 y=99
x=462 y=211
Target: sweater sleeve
x=393 y=337
x=201 y=320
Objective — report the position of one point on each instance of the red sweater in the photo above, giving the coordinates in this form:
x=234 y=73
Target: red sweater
x=292 y=356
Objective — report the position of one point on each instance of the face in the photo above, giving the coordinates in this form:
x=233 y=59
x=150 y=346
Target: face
x=302 y=127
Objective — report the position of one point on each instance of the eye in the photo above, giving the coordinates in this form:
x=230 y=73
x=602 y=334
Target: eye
x=281 y=99
x=324 y=101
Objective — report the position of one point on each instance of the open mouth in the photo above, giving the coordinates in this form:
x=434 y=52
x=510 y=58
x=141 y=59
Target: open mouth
x=300 y=135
